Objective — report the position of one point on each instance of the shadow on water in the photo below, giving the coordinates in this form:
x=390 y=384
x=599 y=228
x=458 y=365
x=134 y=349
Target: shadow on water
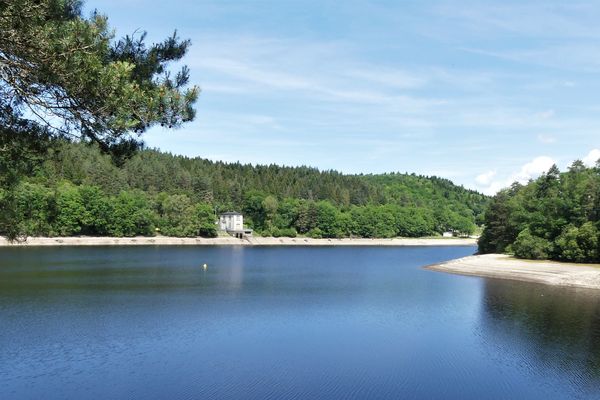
x=58 y=272
x=558 y=328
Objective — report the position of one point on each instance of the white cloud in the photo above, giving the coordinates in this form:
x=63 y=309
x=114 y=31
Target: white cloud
x=546 y=139
x=485 y=178
x=323 y=86
x=533 y=169
x=530 y=170
x=317 y=72
x=592 y=157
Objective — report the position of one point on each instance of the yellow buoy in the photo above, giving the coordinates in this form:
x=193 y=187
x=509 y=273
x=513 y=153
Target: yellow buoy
x=205 y=266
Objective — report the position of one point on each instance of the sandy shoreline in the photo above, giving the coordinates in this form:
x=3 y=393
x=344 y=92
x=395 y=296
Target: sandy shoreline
x=506 y=267
x=231 y=241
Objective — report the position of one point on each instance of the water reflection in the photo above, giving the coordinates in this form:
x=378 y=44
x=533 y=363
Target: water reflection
x=285 y=323
x=557 y=328
x=235 y=271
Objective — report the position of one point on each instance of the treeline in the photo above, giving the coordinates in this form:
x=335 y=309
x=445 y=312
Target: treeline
x=78 y=190
x=553 y=217
x=68 y=210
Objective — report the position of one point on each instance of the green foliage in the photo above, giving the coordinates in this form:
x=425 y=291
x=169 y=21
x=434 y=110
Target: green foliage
x=414 y=222
x=69 y=210
x=131 y=215
x=285 y=232
x=373 y=222
x=315 y=233
x=205 y=220
x=306 y=216
x=178 y=216
x=578 y=244
x=531 y=247
x=179 y=196
x=35 y=208
x=502 y=222
x=555 y=216
x=254 y=210
x=269 y=207
x=74 y=79
x=98 y=216
x=329 y=220
x=22 y=149
x=64 y=76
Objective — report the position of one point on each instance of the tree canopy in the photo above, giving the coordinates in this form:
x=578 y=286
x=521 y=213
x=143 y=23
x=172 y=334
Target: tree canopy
x=78 y=190
x=66 y=76
x=69 y=85
x=556 y=216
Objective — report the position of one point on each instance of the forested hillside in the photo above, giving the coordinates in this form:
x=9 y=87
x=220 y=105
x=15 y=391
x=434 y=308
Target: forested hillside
x=557 y=216
x=78 y=190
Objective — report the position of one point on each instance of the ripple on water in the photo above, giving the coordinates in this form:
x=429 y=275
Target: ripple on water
x=285 y=323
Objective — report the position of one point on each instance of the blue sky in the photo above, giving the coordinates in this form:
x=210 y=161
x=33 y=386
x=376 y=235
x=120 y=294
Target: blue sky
x=482 y=93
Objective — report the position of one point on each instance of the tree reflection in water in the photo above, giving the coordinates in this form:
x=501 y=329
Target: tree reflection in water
x=558 y=328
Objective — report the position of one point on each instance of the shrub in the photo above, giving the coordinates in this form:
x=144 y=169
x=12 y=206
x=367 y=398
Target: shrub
x=285 y=232
x=315 y=233
x=578 y=244
x=266 y=232
x=531 y=247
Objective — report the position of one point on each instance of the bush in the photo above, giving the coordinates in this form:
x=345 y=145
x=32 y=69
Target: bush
x=265 y=232
x=531 y=247
x=275 y=232
x=285 y=232
x=315 y=233
x=578 y=244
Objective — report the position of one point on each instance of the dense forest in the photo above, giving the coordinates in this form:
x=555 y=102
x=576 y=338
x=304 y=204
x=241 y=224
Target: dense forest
x=556 y=216
x=78 y=190
x=66 y=75
x=75 y=101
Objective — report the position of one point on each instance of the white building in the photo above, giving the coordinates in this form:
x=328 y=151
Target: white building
x=231 y=221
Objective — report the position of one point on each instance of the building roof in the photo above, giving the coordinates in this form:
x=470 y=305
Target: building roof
x=230 y=213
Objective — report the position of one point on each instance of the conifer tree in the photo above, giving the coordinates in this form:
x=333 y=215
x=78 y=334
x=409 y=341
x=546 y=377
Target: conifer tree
x=63 y=75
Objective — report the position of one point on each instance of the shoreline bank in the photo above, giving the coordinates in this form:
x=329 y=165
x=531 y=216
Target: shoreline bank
x=506 y=267
x=231 y=241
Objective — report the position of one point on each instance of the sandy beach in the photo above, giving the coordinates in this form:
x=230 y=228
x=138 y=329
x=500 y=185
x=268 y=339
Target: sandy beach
x=231 y=241
x=507 y=267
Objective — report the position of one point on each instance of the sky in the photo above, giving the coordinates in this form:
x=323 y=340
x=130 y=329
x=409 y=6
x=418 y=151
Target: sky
x=482 y=93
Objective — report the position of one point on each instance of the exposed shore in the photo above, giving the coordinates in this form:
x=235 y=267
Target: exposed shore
x=507 y=267
x=231 y=241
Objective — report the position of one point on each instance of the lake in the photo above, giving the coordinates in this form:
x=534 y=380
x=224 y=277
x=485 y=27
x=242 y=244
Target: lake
x=285 y=323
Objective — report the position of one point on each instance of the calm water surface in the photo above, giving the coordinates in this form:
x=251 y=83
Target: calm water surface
x=285 y=323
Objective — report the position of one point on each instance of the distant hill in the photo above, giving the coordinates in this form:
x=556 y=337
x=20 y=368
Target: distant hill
x=275 y=200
